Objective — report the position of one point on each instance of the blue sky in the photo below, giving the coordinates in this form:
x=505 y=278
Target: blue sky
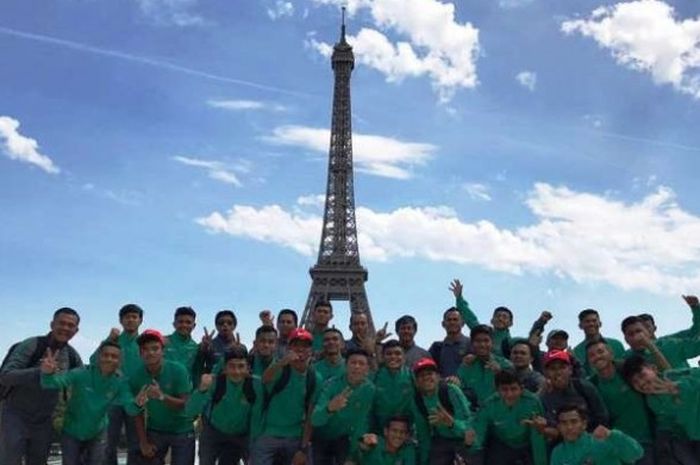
x=172 y=152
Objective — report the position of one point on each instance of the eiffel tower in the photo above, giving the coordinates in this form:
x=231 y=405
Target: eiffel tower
x=338 y=274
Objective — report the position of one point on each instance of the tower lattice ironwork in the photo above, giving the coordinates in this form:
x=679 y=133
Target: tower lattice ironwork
x=338 y=274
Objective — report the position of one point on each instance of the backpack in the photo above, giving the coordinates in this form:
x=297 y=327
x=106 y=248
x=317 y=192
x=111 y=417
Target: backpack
x=443 y=397
x=42 y=343
x=220 y=390
x=282 y=382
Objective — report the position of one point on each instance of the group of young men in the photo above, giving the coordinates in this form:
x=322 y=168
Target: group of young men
x=308 y=396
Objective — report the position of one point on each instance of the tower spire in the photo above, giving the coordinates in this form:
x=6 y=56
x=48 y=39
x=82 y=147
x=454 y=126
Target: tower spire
x=342 y=27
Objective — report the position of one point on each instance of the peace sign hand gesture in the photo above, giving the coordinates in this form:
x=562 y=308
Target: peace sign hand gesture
x=207 y=339
x=382 y=334
x=340 y=401
x=441 y=417
x=49 y=364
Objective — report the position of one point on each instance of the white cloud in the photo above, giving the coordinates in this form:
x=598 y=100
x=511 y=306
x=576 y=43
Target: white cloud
x=171 y=12
x=280 y=10
x=377 y=155
x=22 y=148
x=527 y=79
x=243 y=105
x=645 y=35
x=437 y=45
x=477 y=191
x=317 y=200
x=508 y=4
x=651 y=244
x=215 y=169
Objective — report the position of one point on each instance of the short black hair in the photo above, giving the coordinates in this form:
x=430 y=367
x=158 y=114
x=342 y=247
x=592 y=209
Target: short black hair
x=66 y=311
x=503 y=309
x=629 y=321
x=406 y=320
x=398 y=419
x=230 y=313
x=237 y=352
x=450 y=310
x=185 y=311
x=109 y=344
x=632 y=366
x=265 y=329
x=288 y=311
x=522 y=341
x=506 y=377
x=647 y=317
x=130 y=308
x=589 y=311
x=573 y=408
x=481 y=329
x=333 y=329
x=323 y=303
x=595 y=342
x=361 y=352
x=390 y=344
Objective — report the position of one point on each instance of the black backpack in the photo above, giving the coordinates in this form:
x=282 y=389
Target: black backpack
x=443 y=396
x=220 y=390
x=42 y=343
x=282 y=382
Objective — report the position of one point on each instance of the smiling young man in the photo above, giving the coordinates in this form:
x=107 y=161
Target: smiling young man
x=674 y=399
x=441 y=415
x=394 y=383
x=287 y=321
x=522 y=357
x=478 y=370
x=291 y=389
x=263 y=349
x=406 y=328
x=449 y=352
x=94 y=390
x=26 y=428
x=332 y=363
x=563 y=389
x=167 y=386
x=341 y=415
x=322 y=315
x=393 y=448
x=589 y=322
x=230 y=404
x=676 y=350
x=181 y=348
x=601 y=447
x=627 y=408
x=130 y=319
x=506 y=427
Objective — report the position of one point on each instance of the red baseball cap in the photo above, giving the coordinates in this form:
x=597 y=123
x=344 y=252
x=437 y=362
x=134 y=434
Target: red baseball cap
x=150 y=335
x=300 y=334
x=425 y=363
x=555 y=354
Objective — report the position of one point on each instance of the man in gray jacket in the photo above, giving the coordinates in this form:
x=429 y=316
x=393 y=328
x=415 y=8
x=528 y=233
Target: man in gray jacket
x=26 y=427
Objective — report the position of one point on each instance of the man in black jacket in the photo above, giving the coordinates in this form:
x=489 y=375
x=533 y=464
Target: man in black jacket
x=26 y=428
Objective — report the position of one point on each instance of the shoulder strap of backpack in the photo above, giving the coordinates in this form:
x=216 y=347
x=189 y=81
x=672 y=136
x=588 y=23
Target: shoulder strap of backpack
x=444 y=397
x=249 y=390
x=310 y=386
x=42 y=343
x=279 y=385
x=420 y=403
x=219 y=389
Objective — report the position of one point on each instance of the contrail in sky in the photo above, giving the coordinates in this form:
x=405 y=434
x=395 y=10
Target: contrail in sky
x=143 y=60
